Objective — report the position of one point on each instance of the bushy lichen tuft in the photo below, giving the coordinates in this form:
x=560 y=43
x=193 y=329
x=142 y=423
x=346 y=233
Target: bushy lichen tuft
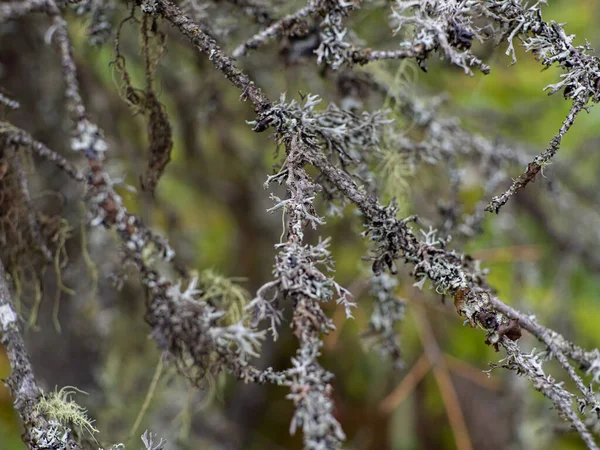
x=60 y=407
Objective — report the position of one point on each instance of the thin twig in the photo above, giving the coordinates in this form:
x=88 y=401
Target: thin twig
x=220 y=60
x=473 y=374
x=412 y=378
x=277 y=28
x=539 y=162
x=147 y=399
x=443 y=379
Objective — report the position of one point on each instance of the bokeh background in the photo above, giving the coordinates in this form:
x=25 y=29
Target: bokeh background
x=542 y=252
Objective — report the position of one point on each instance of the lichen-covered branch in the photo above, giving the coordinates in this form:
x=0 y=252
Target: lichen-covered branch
x=39 y=432
x=444 y=26
x=189 y=318
x=551 y=45
x=388 y=311
x=283 y=25
x=530 y=365
x=207 y=45
x=538 y=163
x=450 y=272
x=178 y=317
x=18 y=9
x=589 y=361
x=298 y=280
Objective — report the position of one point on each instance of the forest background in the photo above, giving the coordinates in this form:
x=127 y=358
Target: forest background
x=541 y=250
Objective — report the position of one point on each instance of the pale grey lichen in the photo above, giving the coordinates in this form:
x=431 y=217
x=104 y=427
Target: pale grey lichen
x=334 y=48
x=191 y=329
x=52 y=437
x=101 y=14
x=297 y=278
x=7 y=316
x=550 y=43
x=388 y=312
x=89 y=139
x=148 y=6
x=445 y=26
x=148 y=440
x=311 y=393
x=190 y=326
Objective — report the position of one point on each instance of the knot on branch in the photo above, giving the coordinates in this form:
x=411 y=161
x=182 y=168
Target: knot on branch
x=476 y=306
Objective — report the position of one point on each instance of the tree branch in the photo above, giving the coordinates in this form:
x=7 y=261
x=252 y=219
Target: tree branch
x=39 y=433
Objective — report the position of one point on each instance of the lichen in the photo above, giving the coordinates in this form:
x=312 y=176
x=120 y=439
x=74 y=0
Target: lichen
x=60 y=407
